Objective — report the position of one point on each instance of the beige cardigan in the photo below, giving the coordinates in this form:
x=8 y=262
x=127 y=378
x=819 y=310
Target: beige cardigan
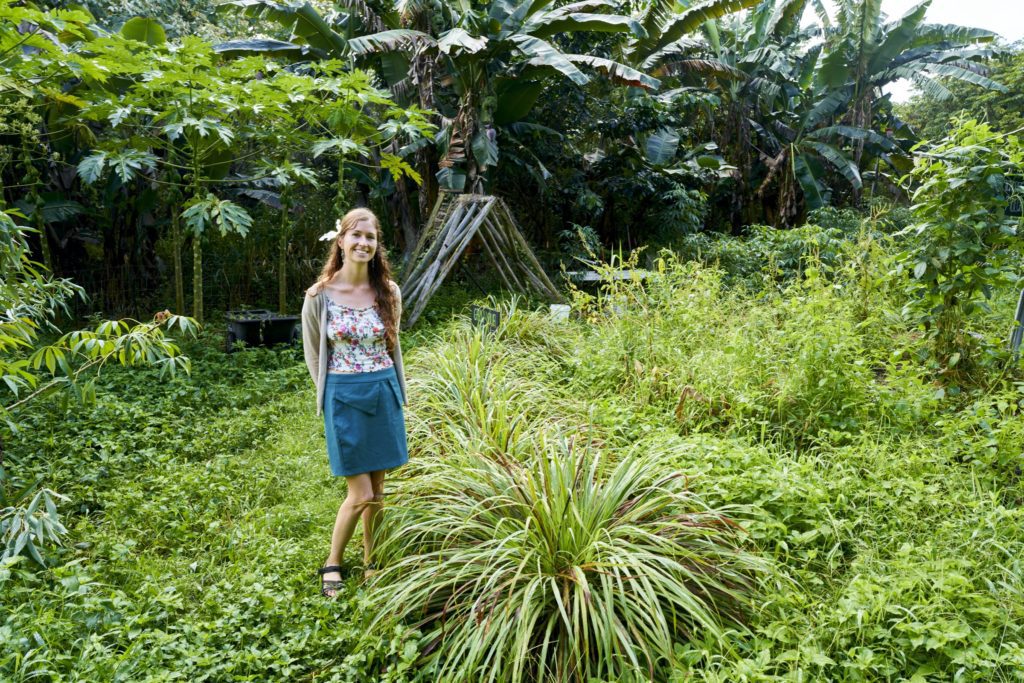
x=314 y=343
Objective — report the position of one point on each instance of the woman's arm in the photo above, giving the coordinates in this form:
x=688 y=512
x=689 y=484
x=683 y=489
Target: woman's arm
x=311 y=334
x=396 y=355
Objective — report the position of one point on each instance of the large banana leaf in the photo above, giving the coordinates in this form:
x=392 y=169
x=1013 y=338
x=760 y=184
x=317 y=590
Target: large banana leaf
x=546 y=26
x=813 y=189
x=937 y=34
x=809 y=65
x=853 y=133
x=661 y=146
x=703 y=67
x=898 y=37
x=304 y=22
x=516 y=98
x=924 y=74
x=542 y=53
x=786 y=18
x=263 y=46
x=678 y=47
x=460 y=39
x=395 y=40
x=837 y=160
x=658 y=14
x=827 y=107
x=686 y=22
x=834 y=71
x=962 y=74
x=618 y=72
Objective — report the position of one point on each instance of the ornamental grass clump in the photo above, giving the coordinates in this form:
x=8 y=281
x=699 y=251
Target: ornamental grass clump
x=569 y=566
x=478 y=395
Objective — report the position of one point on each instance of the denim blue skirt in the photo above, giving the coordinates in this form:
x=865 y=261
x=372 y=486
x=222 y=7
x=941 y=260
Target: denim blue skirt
x=364 y=422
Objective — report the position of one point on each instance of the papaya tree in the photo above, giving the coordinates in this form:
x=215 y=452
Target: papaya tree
x=494 y=58
x=182 y=122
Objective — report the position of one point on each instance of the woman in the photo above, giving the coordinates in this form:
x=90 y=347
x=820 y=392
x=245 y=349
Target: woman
x=350 y=320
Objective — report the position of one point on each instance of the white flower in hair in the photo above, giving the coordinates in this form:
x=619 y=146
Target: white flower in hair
x=333 y=234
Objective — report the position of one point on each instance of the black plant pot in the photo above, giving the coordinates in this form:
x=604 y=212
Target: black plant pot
x=260 y=327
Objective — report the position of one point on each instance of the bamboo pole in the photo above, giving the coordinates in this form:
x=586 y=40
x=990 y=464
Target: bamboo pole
x=498 y=243
x=517 y=234
x=419 y=266
x=428 y=267
x=494 y=262
x=454 y=254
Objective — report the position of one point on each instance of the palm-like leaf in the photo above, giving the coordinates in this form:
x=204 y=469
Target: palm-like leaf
x=543 y=54
x=687 y=22
x=837 y=160
x=702 y=67
x=617 y=72
x=263 y=46
x=394 y=40
x=460 y=39
x=305 y=23
x=566 y=562
x=579 y=21
x=853 y=133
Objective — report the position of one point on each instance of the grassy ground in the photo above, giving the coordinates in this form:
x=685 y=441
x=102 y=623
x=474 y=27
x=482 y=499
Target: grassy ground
x=889 y=512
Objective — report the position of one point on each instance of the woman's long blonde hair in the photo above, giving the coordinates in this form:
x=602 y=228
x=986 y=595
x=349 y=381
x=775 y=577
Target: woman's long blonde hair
x=380 y=272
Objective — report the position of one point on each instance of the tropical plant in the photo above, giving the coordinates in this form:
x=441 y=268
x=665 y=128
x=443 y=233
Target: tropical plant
x=494 y=57
x=965 y=245
x=928 y=115
x=863 y=53
x=570 y=565
x=31 y=301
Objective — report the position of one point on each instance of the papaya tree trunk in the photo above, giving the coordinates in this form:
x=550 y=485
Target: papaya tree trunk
x=197 y=278
x=176 y=247
x=282 y=257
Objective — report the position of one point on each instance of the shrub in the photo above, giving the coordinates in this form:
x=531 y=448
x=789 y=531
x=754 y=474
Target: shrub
x=565 y=567
x=964 y=244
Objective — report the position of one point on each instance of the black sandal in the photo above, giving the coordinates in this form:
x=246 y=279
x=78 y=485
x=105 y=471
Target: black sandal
x=328 y=585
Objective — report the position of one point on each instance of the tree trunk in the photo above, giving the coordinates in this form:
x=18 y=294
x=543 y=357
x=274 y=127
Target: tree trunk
x=282 y=259
x=197 y=278
x=426 y=158
x=176 y=247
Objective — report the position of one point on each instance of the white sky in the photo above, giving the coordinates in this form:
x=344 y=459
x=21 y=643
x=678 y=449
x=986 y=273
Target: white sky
x=1005 y=17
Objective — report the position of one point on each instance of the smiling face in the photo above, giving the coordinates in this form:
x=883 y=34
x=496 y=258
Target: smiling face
x=359 y=243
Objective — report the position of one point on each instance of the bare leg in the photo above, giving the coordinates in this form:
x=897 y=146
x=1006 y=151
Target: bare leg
x=360 y=495
x=371 y=515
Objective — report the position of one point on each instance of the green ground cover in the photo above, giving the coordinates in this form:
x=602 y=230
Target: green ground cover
x=885 y=508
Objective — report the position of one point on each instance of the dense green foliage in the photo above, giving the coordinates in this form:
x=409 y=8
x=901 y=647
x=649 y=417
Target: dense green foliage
x=788 y=455
x=966 y=242
x=642 y=123
x=1003 y=111
x=885 y=512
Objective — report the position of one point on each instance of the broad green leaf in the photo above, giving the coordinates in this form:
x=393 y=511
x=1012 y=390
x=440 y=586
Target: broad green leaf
x=516 y=98
x=617 y=72
x=541 y=53
x=458 y=39
x=485 y=150
x=144 y=30
x=262 y=46
x=661 y=146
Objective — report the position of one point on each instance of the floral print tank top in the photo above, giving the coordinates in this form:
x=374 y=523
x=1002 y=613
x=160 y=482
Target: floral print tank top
x=356 y=339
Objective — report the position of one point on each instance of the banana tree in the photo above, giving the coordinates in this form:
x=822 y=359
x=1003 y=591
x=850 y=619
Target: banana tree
x=493 y=56
x=864 y=53
x=760 y=64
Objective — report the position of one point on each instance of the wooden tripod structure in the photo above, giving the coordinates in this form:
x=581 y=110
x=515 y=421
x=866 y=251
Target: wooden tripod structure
x=455 y=221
